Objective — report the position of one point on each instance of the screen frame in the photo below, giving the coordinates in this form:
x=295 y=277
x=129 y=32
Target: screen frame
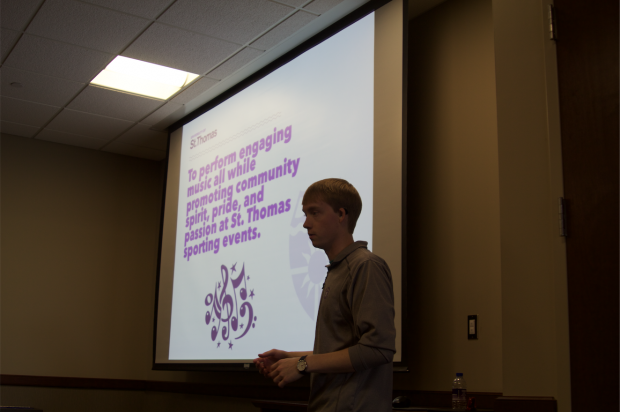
x=323 y=35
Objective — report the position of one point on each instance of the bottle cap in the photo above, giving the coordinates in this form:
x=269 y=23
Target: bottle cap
x=459 y=374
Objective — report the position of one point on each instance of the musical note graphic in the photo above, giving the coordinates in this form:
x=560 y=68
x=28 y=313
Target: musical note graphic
x=228 y=304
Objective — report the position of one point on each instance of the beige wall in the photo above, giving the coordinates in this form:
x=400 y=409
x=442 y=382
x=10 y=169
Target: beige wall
x=79 y=253
x=80 y=233
x=454 y=260
x=485 y=172
x=534 y=289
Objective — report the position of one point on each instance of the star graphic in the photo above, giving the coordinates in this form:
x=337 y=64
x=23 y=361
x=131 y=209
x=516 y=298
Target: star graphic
x=219 y=285
x=230 y=345
x=241 y=326
x=218 y=344
x=233 y=267
x=252 y=293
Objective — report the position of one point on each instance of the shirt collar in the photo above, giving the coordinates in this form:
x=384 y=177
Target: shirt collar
x=346 y=252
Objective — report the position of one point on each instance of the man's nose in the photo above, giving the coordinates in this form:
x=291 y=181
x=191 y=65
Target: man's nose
x=306 y=224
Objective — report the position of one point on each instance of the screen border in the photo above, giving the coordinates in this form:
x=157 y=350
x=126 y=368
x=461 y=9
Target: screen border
x=318 y=38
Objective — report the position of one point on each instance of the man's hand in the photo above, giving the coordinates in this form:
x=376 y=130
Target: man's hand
x=266 y=360
x=281 y=366
x=285 y=371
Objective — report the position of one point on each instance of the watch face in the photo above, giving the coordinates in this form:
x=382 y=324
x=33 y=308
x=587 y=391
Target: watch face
x=301 y=365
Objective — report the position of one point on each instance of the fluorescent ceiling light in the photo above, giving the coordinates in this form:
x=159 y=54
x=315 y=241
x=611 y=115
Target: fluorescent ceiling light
x=146 y=79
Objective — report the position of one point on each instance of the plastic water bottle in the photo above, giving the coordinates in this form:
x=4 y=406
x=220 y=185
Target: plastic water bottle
x=459 y=393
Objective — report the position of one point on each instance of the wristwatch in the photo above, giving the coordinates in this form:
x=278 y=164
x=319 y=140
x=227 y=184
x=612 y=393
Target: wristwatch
x=302 y=365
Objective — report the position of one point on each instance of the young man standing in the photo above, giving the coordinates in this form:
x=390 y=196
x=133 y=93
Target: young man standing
x=351 y=364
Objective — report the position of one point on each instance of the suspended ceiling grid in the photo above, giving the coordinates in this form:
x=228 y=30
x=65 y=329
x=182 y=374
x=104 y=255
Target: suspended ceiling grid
x=52 y=49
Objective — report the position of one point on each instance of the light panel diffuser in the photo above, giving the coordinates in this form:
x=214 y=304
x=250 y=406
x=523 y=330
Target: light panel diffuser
x=146 y=79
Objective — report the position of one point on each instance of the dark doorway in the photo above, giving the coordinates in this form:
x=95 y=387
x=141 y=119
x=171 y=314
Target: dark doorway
x=587 y=49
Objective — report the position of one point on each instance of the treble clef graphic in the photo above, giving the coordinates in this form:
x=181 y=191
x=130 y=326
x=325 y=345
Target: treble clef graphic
x=235 y=284
x=226 y=307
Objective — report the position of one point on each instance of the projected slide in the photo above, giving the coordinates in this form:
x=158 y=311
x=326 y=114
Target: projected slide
x=246 y=277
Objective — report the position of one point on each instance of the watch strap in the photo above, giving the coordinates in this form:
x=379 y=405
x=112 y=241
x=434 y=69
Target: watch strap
x=303 y=359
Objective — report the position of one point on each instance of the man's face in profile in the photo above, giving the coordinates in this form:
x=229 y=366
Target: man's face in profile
x=322 y=223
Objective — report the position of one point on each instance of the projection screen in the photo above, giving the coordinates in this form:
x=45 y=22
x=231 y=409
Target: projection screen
x=238 y=274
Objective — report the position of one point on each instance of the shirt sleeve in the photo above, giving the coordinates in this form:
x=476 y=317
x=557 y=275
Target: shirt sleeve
x=371 y=298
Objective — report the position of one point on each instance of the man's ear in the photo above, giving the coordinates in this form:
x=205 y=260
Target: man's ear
x=342 y=214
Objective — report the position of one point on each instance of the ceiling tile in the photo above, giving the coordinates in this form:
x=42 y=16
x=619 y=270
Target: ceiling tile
x=238 y=21
x=321 y=6
x=115 y=104
x=179 y=49
x=37 y=87
x=29 y=113
x=236 y=62
x=162 y=113
x=18 y=129
x=9 y=37
x=70 y=139
x=90 y=125
x=142 y=135
x=86 y=25
x=135 y=151
x=16 y=14
x=283 y=30
x=144 y=8
x=294 y=3
x=195 y=90
x=50 y=57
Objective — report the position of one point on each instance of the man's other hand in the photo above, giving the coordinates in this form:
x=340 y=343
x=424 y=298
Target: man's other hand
x=266 y=360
